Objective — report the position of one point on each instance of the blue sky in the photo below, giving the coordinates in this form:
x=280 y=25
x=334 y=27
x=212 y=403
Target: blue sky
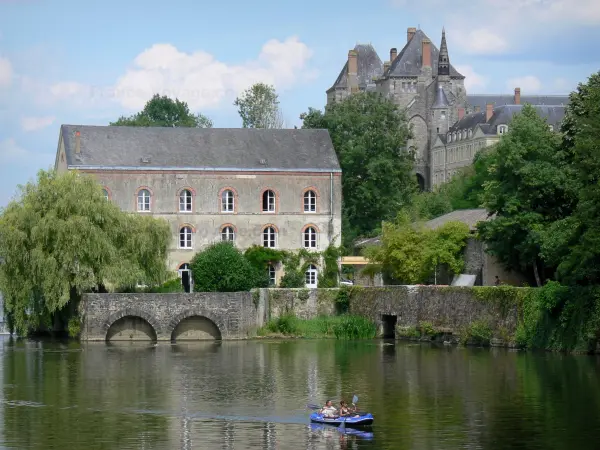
x=79 y=62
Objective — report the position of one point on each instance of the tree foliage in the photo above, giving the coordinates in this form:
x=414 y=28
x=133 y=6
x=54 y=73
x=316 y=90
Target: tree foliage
x=258 y=106
x=61 y=238
x=221 y=267
x=165 y=112
x=410 y=253
x=369 y=134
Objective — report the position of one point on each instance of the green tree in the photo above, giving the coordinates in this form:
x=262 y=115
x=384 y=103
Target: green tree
x=258 y=106
x=61 y=238
x=221 y=267
x=369 y=134
x=528 y=188
x=165 y=112
x=575 y=240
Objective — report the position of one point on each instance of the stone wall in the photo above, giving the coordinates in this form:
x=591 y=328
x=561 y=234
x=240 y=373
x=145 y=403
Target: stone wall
x=234 y=314
x=303 y=303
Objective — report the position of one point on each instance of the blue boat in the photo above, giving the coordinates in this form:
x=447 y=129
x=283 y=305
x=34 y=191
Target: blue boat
x=359 y=420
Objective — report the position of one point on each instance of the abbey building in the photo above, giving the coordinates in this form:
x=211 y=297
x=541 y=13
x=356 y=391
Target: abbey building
x=449 y=126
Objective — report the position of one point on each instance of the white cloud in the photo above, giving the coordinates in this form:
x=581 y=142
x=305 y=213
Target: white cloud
x=197 y=78
x=11 y=152
x=563 y=85
x=474 y=82
x=6 y=72
x=528 y=84
x=36 y=123
x=481 y=41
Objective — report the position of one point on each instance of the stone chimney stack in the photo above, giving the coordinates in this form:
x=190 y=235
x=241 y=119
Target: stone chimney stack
x=489 y=111
x=393 y=54
x=77 y=142
x=386 y=66
x=461 y=113
x=517 y=96
x=410 y=33
x=353 y=70
x=426 y=53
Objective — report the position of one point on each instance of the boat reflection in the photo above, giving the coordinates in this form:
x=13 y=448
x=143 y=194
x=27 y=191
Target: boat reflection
x=330 y=431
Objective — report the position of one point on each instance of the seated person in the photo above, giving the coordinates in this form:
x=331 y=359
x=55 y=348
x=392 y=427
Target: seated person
x=345 y=410
x=328 y=410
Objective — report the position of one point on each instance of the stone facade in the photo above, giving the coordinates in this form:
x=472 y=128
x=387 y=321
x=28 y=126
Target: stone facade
x=165 y=317
x=421 y=80
x=205 y=198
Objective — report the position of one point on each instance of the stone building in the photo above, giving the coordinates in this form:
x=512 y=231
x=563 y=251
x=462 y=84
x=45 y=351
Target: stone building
x=473 y=132
x=276 y=188
x=421 y=79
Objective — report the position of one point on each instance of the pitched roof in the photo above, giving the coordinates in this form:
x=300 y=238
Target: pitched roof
x=471 y=217
x=369 y=68
x=155 y=148
x=482 y=100
x=409 y=60
x=504 y=114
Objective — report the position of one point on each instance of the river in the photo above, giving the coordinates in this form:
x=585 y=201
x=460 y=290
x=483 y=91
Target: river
x=253 y=394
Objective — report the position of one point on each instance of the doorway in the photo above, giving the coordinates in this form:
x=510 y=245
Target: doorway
x=389 y=326
x=186 y=277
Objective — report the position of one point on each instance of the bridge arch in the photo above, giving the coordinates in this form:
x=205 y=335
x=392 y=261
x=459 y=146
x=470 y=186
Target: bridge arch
x=195 y=324
x=131 y=324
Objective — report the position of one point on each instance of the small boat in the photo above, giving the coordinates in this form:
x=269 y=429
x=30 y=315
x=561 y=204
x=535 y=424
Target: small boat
x=359 y=420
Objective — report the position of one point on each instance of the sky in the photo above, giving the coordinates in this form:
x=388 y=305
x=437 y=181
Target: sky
x=68 y=62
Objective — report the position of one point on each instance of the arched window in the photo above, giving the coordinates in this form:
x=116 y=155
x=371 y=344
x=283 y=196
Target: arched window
x=143 y=200
x=227 y=201
x=310 y=201
x=268 y=201
x=105 y=193
x=502 y=129
x=185 y=237
x=228 y=233
x=269 y=237
x=309 y=238
x=469 y=133
x=311 y=276
x=449 y=137
x=185 y=201
x=271 y=272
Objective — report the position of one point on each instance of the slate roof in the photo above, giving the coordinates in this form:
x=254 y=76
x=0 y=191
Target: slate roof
x=503 y=115
x=369 y=68
x=409 y=61
x=471 y=217
x=155 y=148
x=441 y=101
x=500 y=100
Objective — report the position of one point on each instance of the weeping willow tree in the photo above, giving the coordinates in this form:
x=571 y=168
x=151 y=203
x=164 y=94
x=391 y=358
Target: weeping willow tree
x=61 y=238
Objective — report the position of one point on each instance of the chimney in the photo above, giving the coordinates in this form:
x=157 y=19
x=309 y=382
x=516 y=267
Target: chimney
x=426 y=52
x=478 y=109
x=393 y=54
x=353 y=70
x=461 y=113
x=386 y=66
x=77 y=142
x=517 y=96
x=410 y=33
x=489 y=111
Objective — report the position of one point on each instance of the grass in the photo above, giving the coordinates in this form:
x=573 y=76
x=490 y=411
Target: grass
x=340 y=327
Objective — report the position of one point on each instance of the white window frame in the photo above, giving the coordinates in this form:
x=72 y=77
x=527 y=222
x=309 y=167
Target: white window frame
x=310 y=201
x=272 y=275
x=311 y=277
x=227 y=201
x=228 y=234
x=268 y=199
x=144 y=200
x=502 y=129
x=186 y=200
x=186 y=238
x=310 y=238
x=269 y=237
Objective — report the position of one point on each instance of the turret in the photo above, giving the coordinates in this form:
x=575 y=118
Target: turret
x=444 y=59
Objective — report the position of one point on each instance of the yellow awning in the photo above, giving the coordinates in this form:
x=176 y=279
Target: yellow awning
x=354 y=260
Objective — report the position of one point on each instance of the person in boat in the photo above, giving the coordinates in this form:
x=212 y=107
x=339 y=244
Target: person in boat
x=345 y=410
x=328 y=410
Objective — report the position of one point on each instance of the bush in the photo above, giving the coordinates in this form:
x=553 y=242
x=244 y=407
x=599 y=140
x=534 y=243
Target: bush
x=223 y=268
x=173 y=285
x=354 y=327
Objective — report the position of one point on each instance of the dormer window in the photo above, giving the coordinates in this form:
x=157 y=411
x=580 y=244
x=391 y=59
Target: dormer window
x=469 y=133
x=502 y=129
x=449 y=137
x=551 y=127
x=454 y=136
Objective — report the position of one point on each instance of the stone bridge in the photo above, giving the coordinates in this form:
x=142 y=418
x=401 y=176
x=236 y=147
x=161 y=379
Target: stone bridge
x=168 y=317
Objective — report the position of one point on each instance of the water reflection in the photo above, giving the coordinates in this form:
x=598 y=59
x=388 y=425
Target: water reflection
x=238 y=395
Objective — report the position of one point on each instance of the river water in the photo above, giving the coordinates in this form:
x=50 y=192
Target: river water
x=253 y=395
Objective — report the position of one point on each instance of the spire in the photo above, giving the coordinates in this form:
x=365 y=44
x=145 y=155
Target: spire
x=444 y=59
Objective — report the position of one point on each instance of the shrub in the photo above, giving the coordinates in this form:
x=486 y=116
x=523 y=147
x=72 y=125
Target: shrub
x=223 y=268
x=354 y=327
